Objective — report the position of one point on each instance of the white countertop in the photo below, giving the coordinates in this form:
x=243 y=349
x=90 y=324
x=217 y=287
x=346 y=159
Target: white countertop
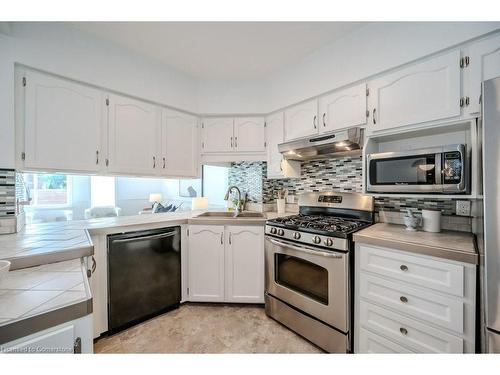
x=28 y=297
x=47 y=272
x=58 y=241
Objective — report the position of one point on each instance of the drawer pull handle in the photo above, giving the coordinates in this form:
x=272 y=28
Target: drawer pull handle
x=403 y=267
x=403 y=331
x=403 y=299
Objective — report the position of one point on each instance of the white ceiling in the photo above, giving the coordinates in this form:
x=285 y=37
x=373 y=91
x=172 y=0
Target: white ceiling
x=222 y=50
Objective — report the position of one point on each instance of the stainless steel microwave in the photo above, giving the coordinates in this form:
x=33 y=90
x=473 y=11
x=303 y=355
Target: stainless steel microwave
x=442 y=170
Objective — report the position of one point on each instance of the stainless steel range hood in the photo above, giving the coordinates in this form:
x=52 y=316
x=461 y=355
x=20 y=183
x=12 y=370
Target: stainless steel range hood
x=346 y=142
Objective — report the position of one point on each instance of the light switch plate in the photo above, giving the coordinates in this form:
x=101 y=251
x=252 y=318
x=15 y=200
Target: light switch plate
x=463 y=208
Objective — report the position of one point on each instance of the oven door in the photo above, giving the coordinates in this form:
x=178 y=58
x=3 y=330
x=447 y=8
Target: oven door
x=311 y=280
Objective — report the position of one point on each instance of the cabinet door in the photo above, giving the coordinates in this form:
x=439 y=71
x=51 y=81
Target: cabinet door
x=249 y=134
x=62 y=124
x=343 y=109
x=217 y=135
x=275 y=136
x=179 y=144
x=277 y=167
x=484 y=64
x=244 y=264
x=206 y=263
x=133 y=133
x=301 y=120
x=423 y=92
x=74 y=336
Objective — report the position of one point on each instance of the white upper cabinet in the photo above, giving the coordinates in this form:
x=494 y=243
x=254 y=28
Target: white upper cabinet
x=343 y=109
x=301 y=120
x=62 y=124
x=244 y=264
x=206 y=263
x=133 y=136
x=483 y=63
x=179 y=143
x=277 y=167
x=423 y=92
x=249 y=134
x=275 y=136
x=217 y=134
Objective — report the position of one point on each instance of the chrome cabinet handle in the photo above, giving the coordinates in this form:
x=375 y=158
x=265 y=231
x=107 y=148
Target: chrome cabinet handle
x=222 y=238
x=374 y=112
x=97 y=157
x=314 y=121
x=94 y=264
x=281 y=165
x=403 y=267
x=230 y=238
x=164 y=161
x=324 y=123
x=403 y=331
x=154 y=161
x=403 y=299
x=235 y=142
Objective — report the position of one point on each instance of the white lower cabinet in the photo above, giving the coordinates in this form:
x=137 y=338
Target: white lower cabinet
x=244 y=264
x=206 y=263
x=72 y=337
x=226 y=263
x=407 y=302
x=375 y=344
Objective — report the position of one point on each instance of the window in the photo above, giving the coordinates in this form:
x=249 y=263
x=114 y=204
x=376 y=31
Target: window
x=215 y=184
x=49 y=190
x=102 y=191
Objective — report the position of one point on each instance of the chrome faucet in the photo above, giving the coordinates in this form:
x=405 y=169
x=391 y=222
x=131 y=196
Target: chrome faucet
x=238 y=207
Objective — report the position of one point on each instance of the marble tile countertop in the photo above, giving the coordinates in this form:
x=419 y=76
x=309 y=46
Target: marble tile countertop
x=47 y=284
x=451 y=245
x=54 y=242
x=35 y=298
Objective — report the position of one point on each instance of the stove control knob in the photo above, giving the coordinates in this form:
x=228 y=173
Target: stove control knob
x=273 y=230
x=296 y=235
x=316 y=240
x=328 y=242
x=281 y=232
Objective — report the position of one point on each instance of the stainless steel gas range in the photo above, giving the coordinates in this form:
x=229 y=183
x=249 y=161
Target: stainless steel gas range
x=309 y=267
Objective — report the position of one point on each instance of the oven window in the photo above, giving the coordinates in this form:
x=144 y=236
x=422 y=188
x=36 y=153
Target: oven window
x=302 y=276
x=405 y=170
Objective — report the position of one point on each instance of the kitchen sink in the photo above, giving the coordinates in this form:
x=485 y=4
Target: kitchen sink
x=226 y=214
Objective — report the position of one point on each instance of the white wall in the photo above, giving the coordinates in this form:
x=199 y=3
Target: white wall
x=71 y=53
x=373 y=49
x=68 y=52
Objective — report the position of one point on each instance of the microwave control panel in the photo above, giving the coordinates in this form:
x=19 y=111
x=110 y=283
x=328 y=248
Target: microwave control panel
x=452 y=167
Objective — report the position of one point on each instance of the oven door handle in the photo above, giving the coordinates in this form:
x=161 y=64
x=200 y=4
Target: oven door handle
x=307 y=249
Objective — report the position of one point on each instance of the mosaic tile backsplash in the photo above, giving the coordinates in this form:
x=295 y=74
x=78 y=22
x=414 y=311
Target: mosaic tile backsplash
x=338 y=174
x=7 y=192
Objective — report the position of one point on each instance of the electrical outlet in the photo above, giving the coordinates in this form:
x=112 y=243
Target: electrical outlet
x=463 y=208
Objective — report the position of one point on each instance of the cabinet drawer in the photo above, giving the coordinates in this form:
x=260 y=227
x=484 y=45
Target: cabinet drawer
x=406 y=331
x=375 y=344
x=422 y=271
x=447 y=312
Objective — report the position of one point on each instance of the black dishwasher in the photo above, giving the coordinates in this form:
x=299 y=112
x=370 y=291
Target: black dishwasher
x=144 y=275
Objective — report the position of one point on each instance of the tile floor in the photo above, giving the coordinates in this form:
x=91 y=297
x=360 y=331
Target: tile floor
x=207 y=328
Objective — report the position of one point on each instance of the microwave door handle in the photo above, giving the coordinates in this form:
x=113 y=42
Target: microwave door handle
x=438 y=170
x=307 y=250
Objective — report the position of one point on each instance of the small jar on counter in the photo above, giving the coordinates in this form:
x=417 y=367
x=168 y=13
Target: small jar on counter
x=431 y=220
